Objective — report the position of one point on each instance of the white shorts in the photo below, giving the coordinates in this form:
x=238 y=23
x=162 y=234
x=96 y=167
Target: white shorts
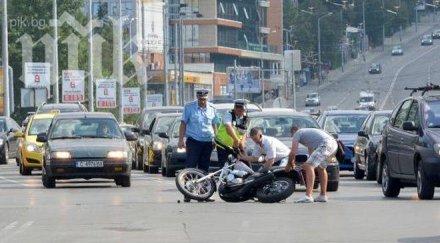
x=323 y=153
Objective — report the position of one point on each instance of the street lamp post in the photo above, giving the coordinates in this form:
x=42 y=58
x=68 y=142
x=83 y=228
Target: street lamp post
x=5 y=59
x=55 y=51
x=319 y=45
x=90 y=84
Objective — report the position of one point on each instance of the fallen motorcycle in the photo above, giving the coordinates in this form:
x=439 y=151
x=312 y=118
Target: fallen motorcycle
x=237 y=183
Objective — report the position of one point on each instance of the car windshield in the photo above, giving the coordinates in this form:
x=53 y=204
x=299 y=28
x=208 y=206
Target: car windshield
x=2 y=125
x=312 y=96
x=280 y=126
x=366 y=99
x=379 y=124
x=85 y=127
x=397 y=48
x=163 y=123
x=347 y=123
x=39 y=126
x=431 y=115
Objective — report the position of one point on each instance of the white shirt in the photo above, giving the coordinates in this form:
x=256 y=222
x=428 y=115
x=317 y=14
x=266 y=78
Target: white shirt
x=272 y=148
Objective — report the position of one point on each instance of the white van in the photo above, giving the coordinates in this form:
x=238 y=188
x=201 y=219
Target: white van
x=366 y=101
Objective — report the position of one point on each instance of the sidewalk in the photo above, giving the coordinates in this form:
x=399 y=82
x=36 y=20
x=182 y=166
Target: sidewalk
x=426 y=24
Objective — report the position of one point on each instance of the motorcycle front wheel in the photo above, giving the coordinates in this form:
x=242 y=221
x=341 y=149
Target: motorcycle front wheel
x=277 y=190
x=186 y=182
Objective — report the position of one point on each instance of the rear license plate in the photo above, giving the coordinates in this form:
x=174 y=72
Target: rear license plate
x=89 y=164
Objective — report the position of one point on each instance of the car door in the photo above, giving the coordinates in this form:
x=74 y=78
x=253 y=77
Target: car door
x=408 y=140
x=12 y=139
x=394 y=135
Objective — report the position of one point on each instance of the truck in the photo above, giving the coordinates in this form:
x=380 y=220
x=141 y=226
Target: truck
x=366 y=101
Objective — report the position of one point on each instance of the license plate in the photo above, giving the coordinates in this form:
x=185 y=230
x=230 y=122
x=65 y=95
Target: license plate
x=89 y=164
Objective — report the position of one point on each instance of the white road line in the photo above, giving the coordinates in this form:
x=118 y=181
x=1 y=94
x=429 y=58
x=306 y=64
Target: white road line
x=6 y=233
x=397 y=74
x=9 y=227
x=342 y=101
x=8 y=180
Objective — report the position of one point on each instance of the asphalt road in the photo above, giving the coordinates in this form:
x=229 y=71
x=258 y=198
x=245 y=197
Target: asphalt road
x=416 y=67
x=99 y=211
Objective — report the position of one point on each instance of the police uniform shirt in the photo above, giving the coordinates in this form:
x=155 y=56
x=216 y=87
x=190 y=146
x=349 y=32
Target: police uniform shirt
x=199 y=121
x=227 y=119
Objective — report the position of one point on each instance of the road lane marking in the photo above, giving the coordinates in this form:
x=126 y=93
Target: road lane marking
x=8 y=231
x=8 y=180
x=397 y=74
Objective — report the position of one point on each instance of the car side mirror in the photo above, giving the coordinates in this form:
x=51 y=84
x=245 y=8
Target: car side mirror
x=145 y=132
x=135 y=129
x=362 y=134
x=163 y=135
x=19 y=134
x=42 y=137
x=409 y=126
x=130 y=136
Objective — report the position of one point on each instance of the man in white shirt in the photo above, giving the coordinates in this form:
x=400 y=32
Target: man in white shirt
x=268 y=150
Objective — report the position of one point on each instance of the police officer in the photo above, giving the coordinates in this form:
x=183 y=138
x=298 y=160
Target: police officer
x=198 y=123
x=232 y=131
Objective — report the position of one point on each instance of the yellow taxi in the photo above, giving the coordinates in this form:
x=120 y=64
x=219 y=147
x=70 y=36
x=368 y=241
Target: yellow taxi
x=30 y=152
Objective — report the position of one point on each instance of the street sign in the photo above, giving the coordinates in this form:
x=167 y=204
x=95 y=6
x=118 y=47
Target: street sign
x=73 y=86
x=106 y=93
x=37 y=75
x=131 y=100
x=33 y=97
x=154 y=100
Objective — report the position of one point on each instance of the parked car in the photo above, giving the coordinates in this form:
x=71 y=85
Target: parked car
x=30 y=152
x=427 y=40
x=61 y=107
x=278 y=123
x=313 y=99
x=410 y=153
x=154 y=143
x=125 y=127
x=375 y=68
x=8 y=140
x=366 y=143
x=173 y=158
x=143 y=123
x=397 y=51
x=346 y=124
x=436 y=34
x=86 y=145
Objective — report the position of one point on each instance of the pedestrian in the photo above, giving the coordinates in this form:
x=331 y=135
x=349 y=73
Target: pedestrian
x=231 y=134
x=267 y=149
x=198 y=123
x=322 y=148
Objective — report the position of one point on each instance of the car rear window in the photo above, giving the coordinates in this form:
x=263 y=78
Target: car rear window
x=280 y=126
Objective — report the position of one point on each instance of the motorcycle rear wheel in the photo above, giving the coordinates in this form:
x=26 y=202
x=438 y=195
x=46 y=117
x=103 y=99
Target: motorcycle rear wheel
x=279 y=189
x=187 y=185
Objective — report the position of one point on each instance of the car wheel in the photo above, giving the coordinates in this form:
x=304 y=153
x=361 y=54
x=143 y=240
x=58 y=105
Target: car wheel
x=379 y=172
x=153 y=170
x=48 y=181
x=163 y=170
x=144 y=163
x=24 y=170
x=118 y=181
x=390 y=186
x=358 y=173
x=425 y=188
x=139 y=161
x=371 y=168
x=170 y=173
x=5 y=157
x=125 y=181
x=332 y=186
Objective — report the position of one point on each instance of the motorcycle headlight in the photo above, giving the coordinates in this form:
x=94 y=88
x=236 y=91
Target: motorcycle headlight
x=60 y=155
x=157 y=145
x=181 y=150
x=32 y=147
x=117 y=154
x=437 y=148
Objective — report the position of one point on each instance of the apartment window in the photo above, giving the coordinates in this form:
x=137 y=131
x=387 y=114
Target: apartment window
x=223 y=90
x=222 y=9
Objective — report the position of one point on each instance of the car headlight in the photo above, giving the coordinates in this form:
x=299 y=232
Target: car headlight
x=60 y=155
x=157 y=145
x=32 y=147
x=181 y=150
x=117 y=154
x=437 y=148
x=358 y=149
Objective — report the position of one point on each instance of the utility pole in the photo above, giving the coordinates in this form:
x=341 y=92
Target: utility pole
x=181 y=60
x=55 y=51
x=91 y=100
x=144 y=59
x=5 y=59
x=120 y=66
x=166 y=50
x=363 y=30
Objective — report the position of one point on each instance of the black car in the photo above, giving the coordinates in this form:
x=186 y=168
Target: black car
x=86 y=145
x=375 y=68
x=366 y=144
x=173 y=157
x=8 y=140
x=278 y=123
x=410 y=152
x=61 y=107
x=345 y=123
x=131 y=144
x=153 y=143
x=143 y=123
